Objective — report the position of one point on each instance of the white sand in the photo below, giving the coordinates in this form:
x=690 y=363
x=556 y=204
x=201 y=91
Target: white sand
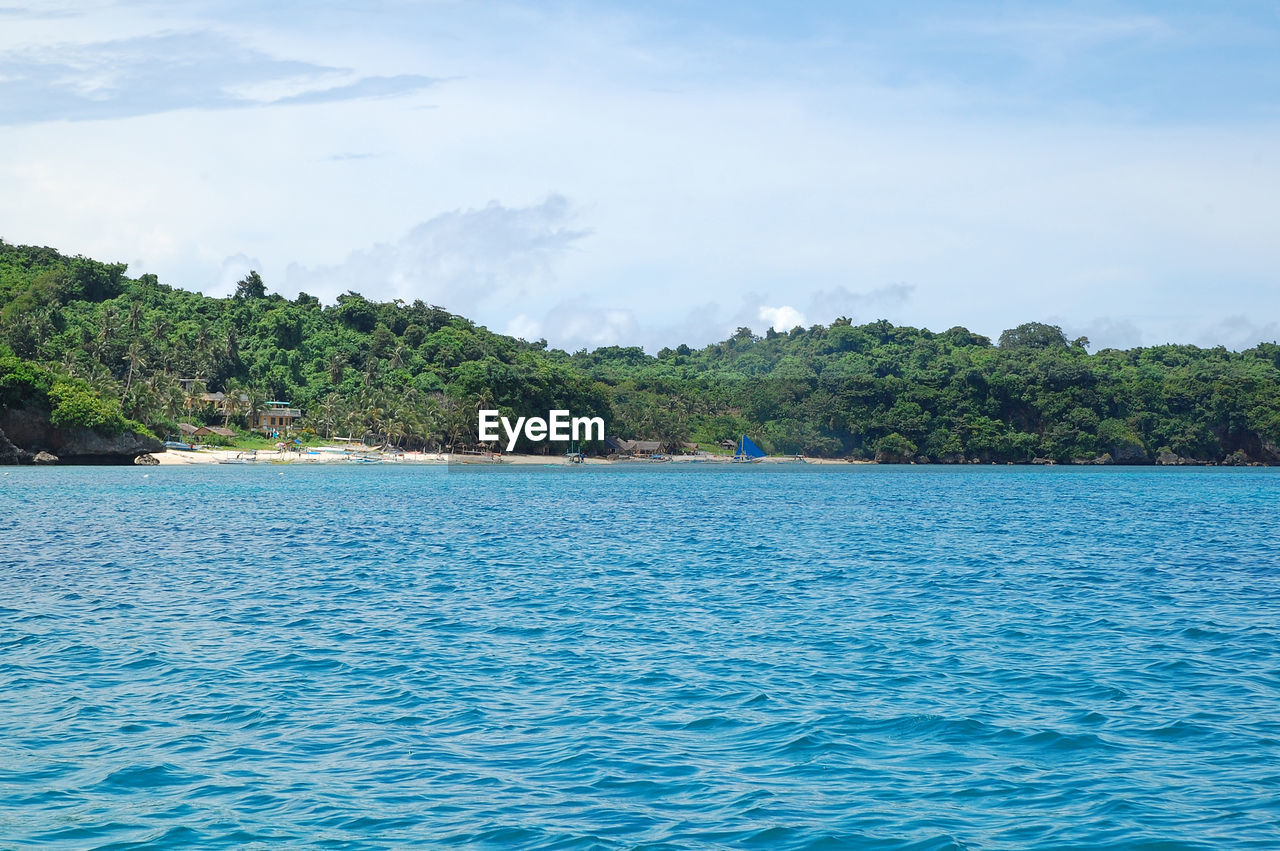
x=336 y=455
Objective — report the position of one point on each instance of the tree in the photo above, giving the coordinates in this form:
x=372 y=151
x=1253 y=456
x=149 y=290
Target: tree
x=1033 y=335
x=134 y=358
x=251 y=286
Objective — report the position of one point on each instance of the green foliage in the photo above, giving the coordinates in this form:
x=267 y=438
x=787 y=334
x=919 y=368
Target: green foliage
x=73 y=404
x=1033 y=335
x=70 y=402
x=82 y=338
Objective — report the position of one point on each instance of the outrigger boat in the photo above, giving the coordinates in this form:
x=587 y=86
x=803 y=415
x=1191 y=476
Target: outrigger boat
x=475 y=456
x=747 y=452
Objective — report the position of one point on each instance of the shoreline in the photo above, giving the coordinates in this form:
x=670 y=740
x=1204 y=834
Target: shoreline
x=337 y=455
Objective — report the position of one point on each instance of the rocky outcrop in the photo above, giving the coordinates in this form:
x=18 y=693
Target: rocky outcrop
x=146 y=460
x=1101 y=461
x=1169 y=458
x=1129 y=453
x=10 y=454
x=43 y=457
x=29 y=432
x=1239 y=458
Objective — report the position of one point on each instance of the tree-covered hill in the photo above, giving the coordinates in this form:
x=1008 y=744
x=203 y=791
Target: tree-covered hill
x=415 y=374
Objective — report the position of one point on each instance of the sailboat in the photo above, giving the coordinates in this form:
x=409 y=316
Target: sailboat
x=747 y=452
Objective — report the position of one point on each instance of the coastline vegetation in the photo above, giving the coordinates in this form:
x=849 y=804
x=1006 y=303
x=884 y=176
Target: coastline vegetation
x=101 y=349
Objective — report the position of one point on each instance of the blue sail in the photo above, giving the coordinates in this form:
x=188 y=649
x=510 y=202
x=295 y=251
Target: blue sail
x=749 y=449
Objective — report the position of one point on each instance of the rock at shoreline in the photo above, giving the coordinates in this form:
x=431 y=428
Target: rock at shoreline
x=1044 y=461
x=1129 y=453
x=146 y=460
x=27 y=432
x=1237 y=459
x=1101 y=461
x=43 y=457
x=10 y=454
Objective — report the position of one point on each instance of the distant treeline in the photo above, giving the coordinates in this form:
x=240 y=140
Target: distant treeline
x=83 y=336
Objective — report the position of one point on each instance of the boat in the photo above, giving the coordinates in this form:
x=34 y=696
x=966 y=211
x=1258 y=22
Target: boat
x=179 y=445
x=747 y=452
x=249 y=457
x=656 y=458
x=475 y=456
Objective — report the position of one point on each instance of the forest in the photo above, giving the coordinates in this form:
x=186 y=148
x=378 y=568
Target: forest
x=95 y=347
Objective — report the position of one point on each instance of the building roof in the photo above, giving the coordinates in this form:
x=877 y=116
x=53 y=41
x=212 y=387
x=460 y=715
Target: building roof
x=219 y=430
x=187 y=428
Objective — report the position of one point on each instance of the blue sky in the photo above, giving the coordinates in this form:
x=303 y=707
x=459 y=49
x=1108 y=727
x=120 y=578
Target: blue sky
x=663 y=172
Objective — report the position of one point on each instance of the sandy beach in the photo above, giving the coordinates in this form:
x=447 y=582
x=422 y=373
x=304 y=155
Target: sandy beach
x=345 y=455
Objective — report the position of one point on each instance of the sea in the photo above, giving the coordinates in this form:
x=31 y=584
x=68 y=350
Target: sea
x=659 y=656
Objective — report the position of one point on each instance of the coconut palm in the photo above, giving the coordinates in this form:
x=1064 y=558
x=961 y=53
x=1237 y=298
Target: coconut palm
x=254 y=403
x=231 y=405
x=133 y=356
x=336 y=366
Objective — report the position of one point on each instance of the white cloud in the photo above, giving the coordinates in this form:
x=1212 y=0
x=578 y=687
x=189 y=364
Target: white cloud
x=524 y=327
x=466 y=261
x=781 y=318
x=234 y=269
x=711 y=182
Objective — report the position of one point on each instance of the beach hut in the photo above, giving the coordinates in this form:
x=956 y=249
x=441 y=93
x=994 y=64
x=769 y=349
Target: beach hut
x=218 y=430
x=618 y=446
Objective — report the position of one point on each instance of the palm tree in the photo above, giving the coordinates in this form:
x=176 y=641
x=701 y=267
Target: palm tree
x=202 y=346
x=254 y=404
x=170 y=394
x=231 y=404
x=326 y=414
x=134 y=357
x=398 y=355
x=195 y=393
x=336 y=366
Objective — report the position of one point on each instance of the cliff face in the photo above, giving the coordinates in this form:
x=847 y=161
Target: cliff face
x=24 y=432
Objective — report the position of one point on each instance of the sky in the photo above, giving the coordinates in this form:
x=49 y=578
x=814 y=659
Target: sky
x=662 y=173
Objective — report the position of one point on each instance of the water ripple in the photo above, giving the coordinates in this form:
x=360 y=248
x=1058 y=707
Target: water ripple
x=891 y=658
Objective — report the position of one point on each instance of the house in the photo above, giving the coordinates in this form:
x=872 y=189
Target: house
x=274 y=417
x=633 y=448
x=217 y=430
x=188 y=430
x=618 y=446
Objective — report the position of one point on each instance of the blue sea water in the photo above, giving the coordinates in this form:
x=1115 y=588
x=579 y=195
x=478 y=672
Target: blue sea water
x=660 y=657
